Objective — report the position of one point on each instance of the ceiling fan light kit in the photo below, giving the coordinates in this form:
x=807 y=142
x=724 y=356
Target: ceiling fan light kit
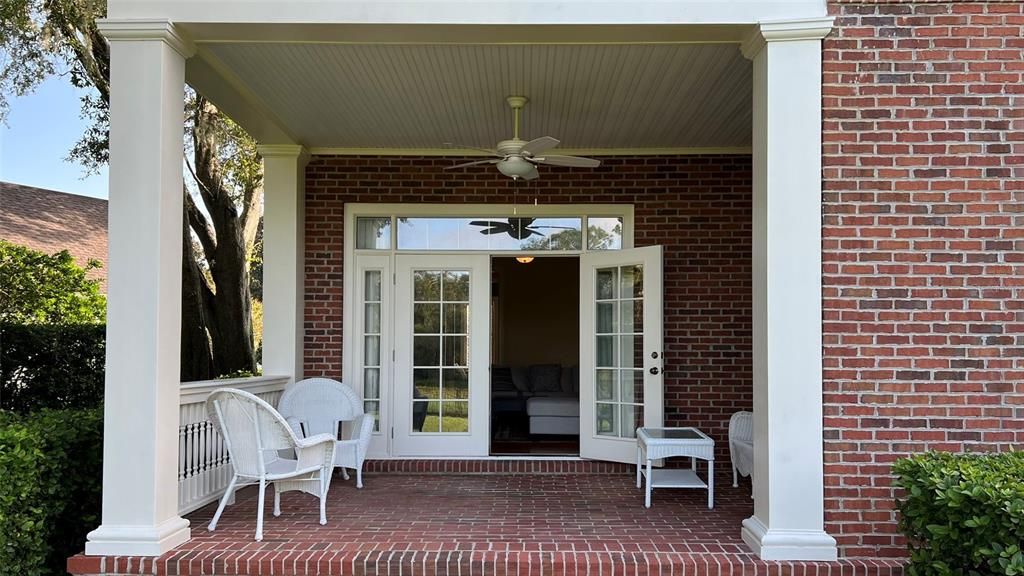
x=517 y=158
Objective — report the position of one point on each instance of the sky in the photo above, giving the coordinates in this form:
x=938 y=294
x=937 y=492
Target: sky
x=41 y=128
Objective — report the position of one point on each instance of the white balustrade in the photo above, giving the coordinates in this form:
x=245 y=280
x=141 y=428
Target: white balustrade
x=204 y=468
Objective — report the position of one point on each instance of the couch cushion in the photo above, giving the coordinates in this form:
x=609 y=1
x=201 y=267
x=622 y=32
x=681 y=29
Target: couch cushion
x=546 y=378
x=556 y=406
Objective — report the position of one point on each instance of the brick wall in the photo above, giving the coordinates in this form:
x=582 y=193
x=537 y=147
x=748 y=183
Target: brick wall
x=923 y=246
x=697 y=207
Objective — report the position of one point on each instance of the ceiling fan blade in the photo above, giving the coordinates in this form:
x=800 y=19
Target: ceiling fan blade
x=488 y=223
x=532 y=174
x=573 y=161
x=473 y=163
x=538 y=145
x=490 y=231
x=488 y=151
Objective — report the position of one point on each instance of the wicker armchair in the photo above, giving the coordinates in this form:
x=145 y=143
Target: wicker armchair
x=741 y=445
x=255 y=435
x=324 y=406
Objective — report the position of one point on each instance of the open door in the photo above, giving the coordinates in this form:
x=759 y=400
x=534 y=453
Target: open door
x=621 y=356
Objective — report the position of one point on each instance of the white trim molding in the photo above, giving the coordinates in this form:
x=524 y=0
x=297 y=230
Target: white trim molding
x=142 y=30
x=782 y=31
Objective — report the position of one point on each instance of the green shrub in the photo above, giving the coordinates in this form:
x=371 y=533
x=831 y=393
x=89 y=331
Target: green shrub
x=963 y=514
x=51 y=366
x=51 y=470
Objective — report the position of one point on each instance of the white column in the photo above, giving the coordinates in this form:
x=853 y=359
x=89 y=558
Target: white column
x=283 y=249
x=788 y=520
x=140 y=435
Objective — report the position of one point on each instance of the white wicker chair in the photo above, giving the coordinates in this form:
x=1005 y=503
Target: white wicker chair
x=254 y=434
x=322 y=406
x=741 y=445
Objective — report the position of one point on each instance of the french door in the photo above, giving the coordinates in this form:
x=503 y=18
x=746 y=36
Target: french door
x=621 y=355
x=441 y=367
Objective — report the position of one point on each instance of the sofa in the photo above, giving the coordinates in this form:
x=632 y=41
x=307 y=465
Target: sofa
x=547 y=393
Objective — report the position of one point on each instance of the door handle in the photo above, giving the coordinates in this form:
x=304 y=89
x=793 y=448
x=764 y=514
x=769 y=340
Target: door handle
x=655 y=370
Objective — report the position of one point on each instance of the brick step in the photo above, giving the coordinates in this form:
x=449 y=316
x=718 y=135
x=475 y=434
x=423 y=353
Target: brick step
x=496 y=466
x=379 y=563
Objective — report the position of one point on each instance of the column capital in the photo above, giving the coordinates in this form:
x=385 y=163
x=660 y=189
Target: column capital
x=139 y=30
x=297 y=151
x=783 y=31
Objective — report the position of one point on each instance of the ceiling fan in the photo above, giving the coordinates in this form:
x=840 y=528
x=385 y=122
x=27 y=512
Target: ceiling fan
x=518 y=228
x=518 y=158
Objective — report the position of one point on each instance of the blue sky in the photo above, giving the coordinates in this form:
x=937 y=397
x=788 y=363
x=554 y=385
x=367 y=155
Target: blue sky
x=41 y=129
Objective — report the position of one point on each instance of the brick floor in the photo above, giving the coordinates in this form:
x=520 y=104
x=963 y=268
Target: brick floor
x=479 y=524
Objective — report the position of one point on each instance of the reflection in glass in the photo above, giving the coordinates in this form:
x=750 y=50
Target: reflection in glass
x=606 y=284
x=372 y=286
x=632 y=281
x=426 y=286
x=427 y=382
x=632 y=316
x=371 y=318
x=456 y=350
x=606 y=357
x=371 y=382
x=456 y=383
x=606 y=318
x=371 y=350
x=628 y=421
x=631 y=351
x=426 y=318
x=373 y=233
x=606 y=385
x=456 y=286
x=426 y=350
x=490 y=233
x=605 y=420
x=604 y=233
x=456 y=319
x=632 y=385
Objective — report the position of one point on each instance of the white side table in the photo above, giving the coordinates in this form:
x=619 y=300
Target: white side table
x=658 y=443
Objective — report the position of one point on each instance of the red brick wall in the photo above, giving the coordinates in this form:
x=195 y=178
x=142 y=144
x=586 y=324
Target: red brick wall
x=697 y=207
x=923 y=246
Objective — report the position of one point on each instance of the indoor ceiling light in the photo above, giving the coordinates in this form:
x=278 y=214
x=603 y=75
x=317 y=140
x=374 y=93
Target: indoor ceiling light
x=524 y=259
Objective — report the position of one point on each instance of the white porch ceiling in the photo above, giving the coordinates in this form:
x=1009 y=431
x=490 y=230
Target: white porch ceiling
x=594 y=97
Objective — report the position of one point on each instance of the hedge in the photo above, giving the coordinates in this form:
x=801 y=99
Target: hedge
x=51 y=471
x=963 y=514
x=51 y=366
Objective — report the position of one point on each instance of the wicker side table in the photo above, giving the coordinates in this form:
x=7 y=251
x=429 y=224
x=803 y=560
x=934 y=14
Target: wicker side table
x=657 y=443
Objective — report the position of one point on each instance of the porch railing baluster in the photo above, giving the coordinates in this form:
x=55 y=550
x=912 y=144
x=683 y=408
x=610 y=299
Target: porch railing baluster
x=203 y=464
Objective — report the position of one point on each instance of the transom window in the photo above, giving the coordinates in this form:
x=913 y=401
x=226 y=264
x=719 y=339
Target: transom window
x=490 y=233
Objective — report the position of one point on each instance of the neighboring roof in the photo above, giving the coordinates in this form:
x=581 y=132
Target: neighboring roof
x=51 y=221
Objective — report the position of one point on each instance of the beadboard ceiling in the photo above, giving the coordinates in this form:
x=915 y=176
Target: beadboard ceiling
x=594 y=96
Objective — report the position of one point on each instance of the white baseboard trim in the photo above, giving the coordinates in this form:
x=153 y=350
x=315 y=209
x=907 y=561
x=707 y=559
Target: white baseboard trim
x=783 y=544
x=137 y=540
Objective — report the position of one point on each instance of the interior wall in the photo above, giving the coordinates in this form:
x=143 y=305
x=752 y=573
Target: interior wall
x=538 y=311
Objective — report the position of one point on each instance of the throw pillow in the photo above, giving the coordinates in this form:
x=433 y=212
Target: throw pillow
x=546 y=377
x=521 y=379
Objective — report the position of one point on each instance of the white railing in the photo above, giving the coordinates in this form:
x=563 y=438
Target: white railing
x=204 y=469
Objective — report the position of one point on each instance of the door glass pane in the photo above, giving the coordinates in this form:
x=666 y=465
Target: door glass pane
x=426 y=318
x=426 y=286
x=371 y=318
x=456 y=286
x=605 y=415
x=606 y=318
x=371 y=350
x=606 y=356
x=441 y=351
x=456 y=319
x=426 y=351
x=606 y=385
x=607 y=286
x=371 y=383
x=372 y=286
x=619 y=341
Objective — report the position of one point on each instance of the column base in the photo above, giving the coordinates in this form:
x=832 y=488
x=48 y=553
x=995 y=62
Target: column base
x=137 y=540
x=781 y=544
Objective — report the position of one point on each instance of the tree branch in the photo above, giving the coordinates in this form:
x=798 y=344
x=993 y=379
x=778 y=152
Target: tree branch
x=200 y=226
